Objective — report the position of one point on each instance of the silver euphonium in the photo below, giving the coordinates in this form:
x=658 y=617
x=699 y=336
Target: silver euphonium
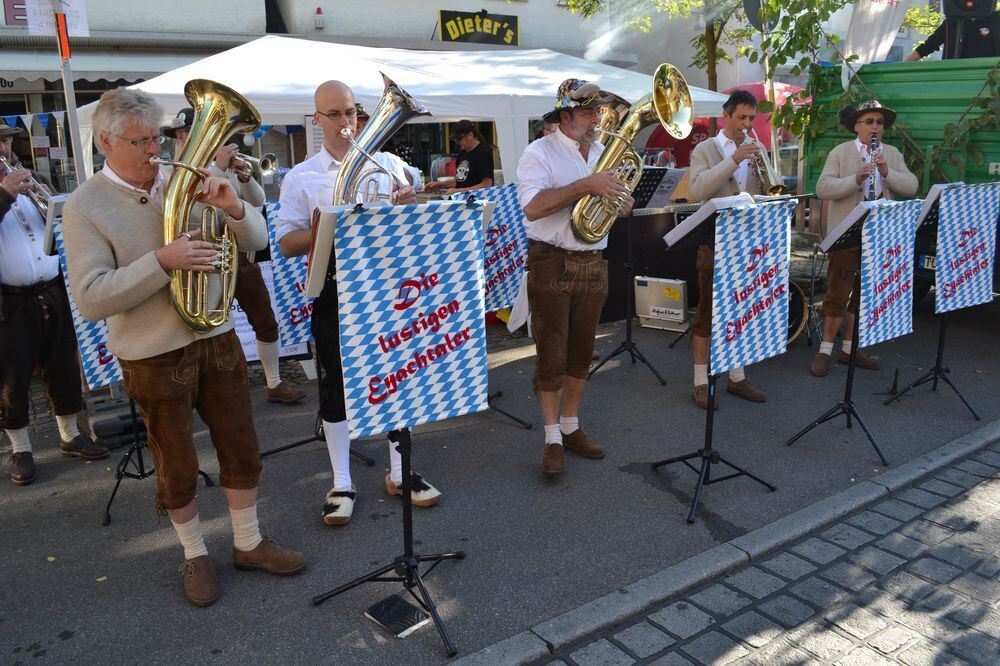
x=767 y=180
x=37 y=194
x=395 y=109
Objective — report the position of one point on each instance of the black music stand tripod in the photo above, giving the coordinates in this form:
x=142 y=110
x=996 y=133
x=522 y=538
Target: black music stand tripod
x=405 y=569
x=317 y=435
x=850 y=239
x=137 y=463
x=490 y=397
x=627 y=346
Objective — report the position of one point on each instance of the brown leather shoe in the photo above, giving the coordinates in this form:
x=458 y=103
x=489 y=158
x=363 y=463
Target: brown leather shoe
x=820 y=366
x=578 y=442
x=22 y=468
x=82 y=446
x=746 y=390
x=553 y=459
x=284 y=394
x=700 y=395
x=200 y=584
x=270 y=557
x=861 y=360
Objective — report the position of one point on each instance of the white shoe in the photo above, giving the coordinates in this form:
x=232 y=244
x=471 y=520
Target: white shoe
x=338 y=506
x=422 y=494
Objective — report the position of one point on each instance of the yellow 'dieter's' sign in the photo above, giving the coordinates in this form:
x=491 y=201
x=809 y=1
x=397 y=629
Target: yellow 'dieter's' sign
x=478 y=27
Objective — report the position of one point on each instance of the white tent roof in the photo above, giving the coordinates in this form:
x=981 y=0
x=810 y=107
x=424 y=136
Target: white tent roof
x=279 y=74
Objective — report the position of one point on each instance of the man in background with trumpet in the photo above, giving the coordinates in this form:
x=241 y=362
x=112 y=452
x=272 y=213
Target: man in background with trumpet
x=721 y=167
x=120 y=270
x=36 y=324
x=567 y=279
x=308 y=185
x=859 y=169
x=251 y=292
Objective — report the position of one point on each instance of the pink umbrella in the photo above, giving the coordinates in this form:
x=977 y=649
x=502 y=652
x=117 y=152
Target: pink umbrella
x=761 y=125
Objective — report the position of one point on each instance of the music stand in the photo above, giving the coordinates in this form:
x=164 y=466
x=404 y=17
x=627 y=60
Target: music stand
x=699 y=229
x=845 y=236
x=141 y=472
x=928 y=225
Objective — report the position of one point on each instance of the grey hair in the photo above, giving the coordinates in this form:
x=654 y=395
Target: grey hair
x=118 y=105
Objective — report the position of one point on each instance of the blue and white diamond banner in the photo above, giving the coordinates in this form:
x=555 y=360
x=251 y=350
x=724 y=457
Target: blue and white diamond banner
x=966 y=246
x=506 y=246
x=100 y=367
x=886 y=306
x=750 y=284
x=412 y=332
x=291 y=305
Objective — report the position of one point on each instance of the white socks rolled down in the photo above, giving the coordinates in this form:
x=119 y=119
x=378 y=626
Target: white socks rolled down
x=846 y=346
x=338 y=444
x=191 y=538
x=701 y=374
x=553 y=435
x=737 y=374
x=246 y=529
x=20 y=440
x=395 y=464
x=68 y=428
x=268 y=352
x=826 y=348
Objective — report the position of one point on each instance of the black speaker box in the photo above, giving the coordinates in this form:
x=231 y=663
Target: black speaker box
x=967 y=8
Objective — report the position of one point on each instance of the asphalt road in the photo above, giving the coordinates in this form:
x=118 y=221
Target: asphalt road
x=74 y=591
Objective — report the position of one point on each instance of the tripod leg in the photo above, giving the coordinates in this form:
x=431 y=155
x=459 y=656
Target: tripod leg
x=320 y=598
x=208 y=480
x=428 y=603
x=680 y=336
x=635 y=352
x=832 y=412
x=618 y=350
x=120 y=474
x=923 y=379
x=489 y=401
x=676 y=459
x=706 y=463
x=746 y=473
x=960 y=396
x=871 y=438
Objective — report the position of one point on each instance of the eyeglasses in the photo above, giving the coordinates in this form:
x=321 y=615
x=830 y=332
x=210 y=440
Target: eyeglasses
x=144 y=142
x=336 y=115
x=873 y=121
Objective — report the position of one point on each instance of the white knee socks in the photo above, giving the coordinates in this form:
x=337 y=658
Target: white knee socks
x=191 y=538
x=20 y=440
x=338 y=443
x=68 y=428
x=268 y=352
x=246 y=529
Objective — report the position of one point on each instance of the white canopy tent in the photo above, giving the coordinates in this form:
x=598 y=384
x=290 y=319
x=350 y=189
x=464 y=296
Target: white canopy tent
x=510 y=87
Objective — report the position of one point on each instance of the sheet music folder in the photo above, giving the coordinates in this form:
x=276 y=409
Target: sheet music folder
x=847 y=234
x=699 y=228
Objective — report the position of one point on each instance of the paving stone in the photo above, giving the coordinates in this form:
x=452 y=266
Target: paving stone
x=789 y=566
x=682 y=619
x=977 y=648
x=875 y=523
x=780 y=653
x=901 y=545
x=921 y=498
x=928 y=533
x=929 y=624
x=714 y=648
x=863 y=656
x=934 y=569
x=956 y=556
x=988 y=457
x=990 y=567
x=924 y=654
x=898 y=510
x=822 y=642
x=877 y=560
x=941 y=488
x=981 y=537
x=786 y=610
x=976 y=468
x=891 y=639
x=908 y=587
x=671 y=659
x=957 y=477
x=987 y=493
x=601 y=653
x=755 y=582
x=978 y=616
x=753 y=629
x=846 y=536
x=720 y=600
x=817 y=550
x=954 y=516
x=644 y=640
x=978 y=587
x=819 y=592
x=882 y=602
x=943 y=601
x=856 y=621
x=848 y=575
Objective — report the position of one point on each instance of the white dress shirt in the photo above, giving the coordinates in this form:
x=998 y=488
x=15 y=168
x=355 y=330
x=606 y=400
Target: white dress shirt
x=23 y=261
x=728 y=148
x=155 y=193
x=866 y=158
x=548 y=163
x=310 y=184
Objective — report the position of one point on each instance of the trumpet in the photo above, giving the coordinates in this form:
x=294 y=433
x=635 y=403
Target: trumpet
x=767 y=180
x=243 y=165
x=37 y=193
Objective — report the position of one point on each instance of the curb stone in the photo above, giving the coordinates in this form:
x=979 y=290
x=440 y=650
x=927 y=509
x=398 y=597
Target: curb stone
x=559 y=632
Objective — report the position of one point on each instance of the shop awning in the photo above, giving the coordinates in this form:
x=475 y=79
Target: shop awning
x=90 y=65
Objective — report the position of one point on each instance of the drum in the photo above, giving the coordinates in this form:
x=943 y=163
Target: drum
x=797 y=309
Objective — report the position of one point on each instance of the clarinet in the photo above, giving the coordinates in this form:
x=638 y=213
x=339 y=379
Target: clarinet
x=871 y=177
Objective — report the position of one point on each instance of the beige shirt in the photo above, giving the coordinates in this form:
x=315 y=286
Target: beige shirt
x=713 y=175
x=111 y=233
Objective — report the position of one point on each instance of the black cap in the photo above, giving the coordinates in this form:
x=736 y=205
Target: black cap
x=181 y=122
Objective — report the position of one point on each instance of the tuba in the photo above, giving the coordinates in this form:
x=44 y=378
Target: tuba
x=670 y=104
x=395 y=109
x=219 y=111
x=767 y=180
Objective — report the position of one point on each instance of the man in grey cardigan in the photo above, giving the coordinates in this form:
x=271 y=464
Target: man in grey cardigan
x=852 y=174
x=119 y=270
